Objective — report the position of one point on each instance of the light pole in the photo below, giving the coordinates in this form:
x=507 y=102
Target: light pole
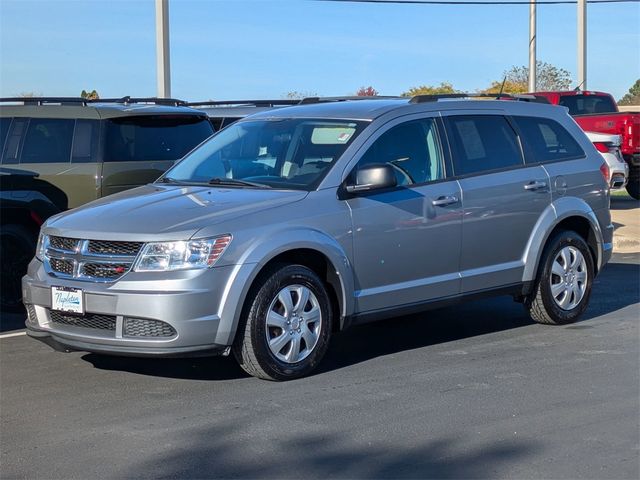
x=532 y=46
x=163 y=68
x=582 y=44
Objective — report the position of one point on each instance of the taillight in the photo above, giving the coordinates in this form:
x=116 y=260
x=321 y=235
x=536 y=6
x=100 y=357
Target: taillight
x=601 y=147
x=604 y=170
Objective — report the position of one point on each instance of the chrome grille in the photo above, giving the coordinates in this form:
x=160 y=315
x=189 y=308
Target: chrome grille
x=63 y=243
x=141 y=327
x=88 y=320
x=89 y=260
x=114 y=248
x=104 y=270
x=61 y=266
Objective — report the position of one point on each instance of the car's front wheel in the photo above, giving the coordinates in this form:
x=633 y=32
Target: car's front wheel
x=563 y=286
x=286 y=326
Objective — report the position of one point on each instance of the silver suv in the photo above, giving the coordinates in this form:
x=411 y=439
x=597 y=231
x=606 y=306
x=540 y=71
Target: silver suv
x=298 y=222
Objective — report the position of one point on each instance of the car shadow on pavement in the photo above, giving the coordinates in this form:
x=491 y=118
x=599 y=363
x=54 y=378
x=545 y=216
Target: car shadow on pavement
x=624 y=203
x=617 y=287
x=239 y=450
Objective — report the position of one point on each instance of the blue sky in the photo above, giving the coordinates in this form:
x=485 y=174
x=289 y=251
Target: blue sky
x=223 y=49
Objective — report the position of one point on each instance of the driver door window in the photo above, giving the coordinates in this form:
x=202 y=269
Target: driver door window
x=413 y=151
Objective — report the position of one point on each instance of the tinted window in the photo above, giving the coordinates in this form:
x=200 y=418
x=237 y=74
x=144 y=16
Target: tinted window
x=286 y=153
x=586 y=104
x=547 y=140
x=85 y=141
x=48 y=140
x=154 y=137
x=412 y=149
x=4 y=130
x=16 y=132
x=482 y=142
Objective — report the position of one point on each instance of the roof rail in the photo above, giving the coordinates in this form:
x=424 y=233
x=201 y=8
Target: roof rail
x=254 y=103
x=308 y=100
x=43 y=100
x=496 y=96
x=172 y=102
x=86 y=101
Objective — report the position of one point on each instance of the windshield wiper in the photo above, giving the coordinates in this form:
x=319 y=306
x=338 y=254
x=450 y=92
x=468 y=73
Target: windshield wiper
x=233 y=182
x=168 y=180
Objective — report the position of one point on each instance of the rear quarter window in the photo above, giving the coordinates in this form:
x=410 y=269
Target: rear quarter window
x=546 y=140
x=482 y=143
x=154 y=137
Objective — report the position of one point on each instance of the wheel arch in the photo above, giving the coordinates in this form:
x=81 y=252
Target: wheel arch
x=565 y=214
x=316 y=251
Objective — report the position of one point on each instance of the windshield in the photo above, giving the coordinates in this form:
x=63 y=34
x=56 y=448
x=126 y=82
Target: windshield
x=280 y=153
x=587 y=104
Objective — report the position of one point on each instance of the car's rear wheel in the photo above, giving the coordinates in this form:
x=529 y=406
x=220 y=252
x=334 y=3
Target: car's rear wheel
x=287 y=325
x=633 y=185
x=565 y=277
x=17 y=247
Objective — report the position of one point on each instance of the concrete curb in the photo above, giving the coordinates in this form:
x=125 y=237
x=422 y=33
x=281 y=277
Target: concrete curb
x=625 y=214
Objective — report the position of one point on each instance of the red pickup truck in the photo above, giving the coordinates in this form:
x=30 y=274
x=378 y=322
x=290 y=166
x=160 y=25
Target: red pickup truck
x=598 y=112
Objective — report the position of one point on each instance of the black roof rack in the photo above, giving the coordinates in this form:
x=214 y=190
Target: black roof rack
x=496 y=96
x=86 y=101
x=254 y=103
x=308 y=100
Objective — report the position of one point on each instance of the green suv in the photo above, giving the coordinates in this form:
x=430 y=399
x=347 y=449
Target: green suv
x=93 y=148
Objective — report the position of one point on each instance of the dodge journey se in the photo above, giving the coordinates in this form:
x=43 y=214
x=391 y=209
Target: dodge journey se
x=295 y=223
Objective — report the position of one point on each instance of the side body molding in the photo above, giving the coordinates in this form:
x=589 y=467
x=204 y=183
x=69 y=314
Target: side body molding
x=261 y=252
x=553 y=215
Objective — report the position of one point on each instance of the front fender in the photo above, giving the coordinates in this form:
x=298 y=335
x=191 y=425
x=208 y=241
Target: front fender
x=261 y=252
x=553 y=215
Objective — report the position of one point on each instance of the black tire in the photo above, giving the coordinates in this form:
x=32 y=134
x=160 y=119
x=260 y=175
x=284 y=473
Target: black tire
x=251 y=348
x=17 y=248
x=633 y=185
x=541 y=305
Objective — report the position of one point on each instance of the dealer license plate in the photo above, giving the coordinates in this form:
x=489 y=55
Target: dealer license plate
x=67 y=299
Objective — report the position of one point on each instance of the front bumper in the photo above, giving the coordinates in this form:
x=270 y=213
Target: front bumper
x=185 y=311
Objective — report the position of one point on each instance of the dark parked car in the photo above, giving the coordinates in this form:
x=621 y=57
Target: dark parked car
x=25 y=203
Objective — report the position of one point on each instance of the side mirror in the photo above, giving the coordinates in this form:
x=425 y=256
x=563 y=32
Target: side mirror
x=373 y=177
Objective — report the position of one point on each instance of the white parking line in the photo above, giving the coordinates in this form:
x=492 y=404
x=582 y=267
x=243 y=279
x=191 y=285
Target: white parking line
x=15 y=334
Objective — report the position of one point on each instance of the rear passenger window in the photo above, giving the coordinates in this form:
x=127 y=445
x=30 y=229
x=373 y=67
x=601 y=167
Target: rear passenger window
x=48 y=140
x=482 y=143
x=413 y=151
x=547 y=140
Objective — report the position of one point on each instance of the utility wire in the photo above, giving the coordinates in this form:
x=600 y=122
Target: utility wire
x=480 y=2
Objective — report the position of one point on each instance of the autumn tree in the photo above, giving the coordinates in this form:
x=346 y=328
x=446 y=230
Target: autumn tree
x=367 y=92
x=633 y=97
x=548 y=77
x=443 y=88
x=92 y=95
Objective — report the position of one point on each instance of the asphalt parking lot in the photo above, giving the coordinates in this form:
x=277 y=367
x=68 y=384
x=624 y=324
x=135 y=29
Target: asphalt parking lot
x=475 y=390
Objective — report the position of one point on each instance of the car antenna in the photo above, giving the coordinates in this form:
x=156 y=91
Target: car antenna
x=577 y=89
x=501 y=88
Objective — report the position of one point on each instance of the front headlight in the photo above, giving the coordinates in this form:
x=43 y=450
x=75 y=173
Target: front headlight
x=167 y=256
x=41 y=246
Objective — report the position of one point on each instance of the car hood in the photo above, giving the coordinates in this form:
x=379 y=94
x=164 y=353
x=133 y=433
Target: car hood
x=164 y=212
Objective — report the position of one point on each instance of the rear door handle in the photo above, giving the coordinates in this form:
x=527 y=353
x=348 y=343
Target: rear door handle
x=535 y=185
x=444 y=201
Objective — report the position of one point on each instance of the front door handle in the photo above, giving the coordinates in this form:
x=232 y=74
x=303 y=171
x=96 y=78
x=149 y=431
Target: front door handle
x=444 y=201
x=535 y=185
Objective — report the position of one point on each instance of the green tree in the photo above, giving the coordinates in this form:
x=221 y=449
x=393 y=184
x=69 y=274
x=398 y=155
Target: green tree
x=633 y=97
x=92 y=95
x=443 y=88
x=548 y=77
x=367 y=92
